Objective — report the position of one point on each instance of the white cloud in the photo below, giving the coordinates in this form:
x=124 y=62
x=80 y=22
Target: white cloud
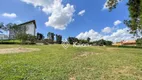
x=81 y=13
x=59 y=15
x=117 y=22
x=119 y=35
x=91 y=34
x=107 y=30
x=60 y=18
x=9 y=15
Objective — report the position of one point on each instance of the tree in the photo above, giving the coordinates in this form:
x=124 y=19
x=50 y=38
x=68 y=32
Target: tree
x=21 y=34
x=108 y=43
x=71 y=40
x=40 y=36
x=82 y=41
x=102 y=42
x=1 y=27
x=135 y=10
x=139 y=42
x=50 y=36
x=5 y=27
x=58 y=39
x=13 y=29
x=31 y=38
x=26 y=38
x=88 y=39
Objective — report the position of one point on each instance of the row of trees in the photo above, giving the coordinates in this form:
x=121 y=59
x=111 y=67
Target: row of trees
x=101 y=42
x=50 y=38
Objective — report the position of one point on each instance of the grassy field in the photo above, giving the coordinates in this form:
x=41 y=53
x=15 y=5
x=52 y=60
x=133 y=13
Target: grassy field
x=53 y=62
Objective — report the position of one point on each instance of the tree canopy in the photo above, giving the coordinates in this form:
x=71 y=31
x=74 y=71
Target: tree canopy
x=58 y=39
x=135 y=10
x=50 y=36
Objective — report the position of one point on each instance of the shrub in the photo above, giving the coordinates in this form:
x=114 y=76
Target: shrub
x=139 y=42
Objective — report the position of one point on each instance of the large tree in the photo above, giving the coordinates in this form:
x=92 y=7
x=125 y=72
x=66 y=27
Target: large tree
x=71 y=40
x=58 y=39
x=9 y=27
x=40 y=36
x=5 y=27
x=135 y=10
x=139 y=42
x=1 y=27
x=88 y=39
x=50 y=36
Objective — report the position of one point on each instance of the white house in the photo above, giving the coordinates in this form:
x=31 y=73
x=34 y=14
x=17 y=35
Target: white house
x=30 y=29
x=3 y=37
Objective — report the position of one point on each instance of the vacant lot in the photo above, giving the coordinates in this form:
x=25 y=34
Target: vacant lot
x=53 y=62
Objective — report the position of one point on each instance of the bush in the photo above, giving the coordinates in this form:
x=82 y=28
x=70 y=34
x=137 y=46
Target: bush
x=26 y=38
x=10 y=42
x=48 y=41
x=128 y=46
x=139 y=42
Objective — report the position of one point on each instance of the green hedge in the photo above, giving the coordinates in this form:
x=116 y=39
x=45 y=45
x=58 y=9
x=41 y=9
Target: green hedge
x=13 y=42
x=128 y=46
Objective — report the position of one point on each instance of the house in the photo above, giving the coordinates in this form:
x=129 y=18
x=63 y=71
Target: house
x=117 y=44
x=30 y=29
x=129 y=43
x=3 y=37
x=126 y=43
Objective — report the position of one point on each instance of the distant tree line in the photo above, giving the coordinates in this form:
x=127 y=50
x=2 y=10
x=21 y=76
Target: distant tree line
x=101 y=42
x=50 y=38
x=20 y=34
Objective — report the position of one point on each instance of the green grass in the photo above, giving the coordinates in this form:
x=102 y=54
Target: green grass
x=10 y=41
x=53 y=62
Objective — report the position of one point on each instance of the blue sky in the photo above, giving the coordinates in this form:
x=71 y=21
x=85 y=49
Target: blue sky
x=62 y=17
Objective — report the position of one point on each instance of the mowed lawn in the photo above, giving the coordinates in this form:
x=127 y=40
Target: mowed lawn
x=53 y=62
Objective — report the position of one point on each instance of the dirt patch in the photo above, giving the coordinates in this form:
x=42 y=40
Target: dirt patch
x=112 y=49
x=128 y=71
x=17 y=50
x=85 y=54
x=124 y=70
x=89 y=68
x=72 y=77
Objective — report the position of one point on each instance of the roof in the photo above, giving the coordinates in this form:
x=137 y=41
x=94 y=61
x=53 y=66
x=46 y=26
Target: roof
x=32 y=21
x=130 y=42
x=125 y=42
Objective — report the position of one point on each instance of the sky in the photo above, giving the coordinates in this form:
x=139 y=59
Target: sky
x=74 y=18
